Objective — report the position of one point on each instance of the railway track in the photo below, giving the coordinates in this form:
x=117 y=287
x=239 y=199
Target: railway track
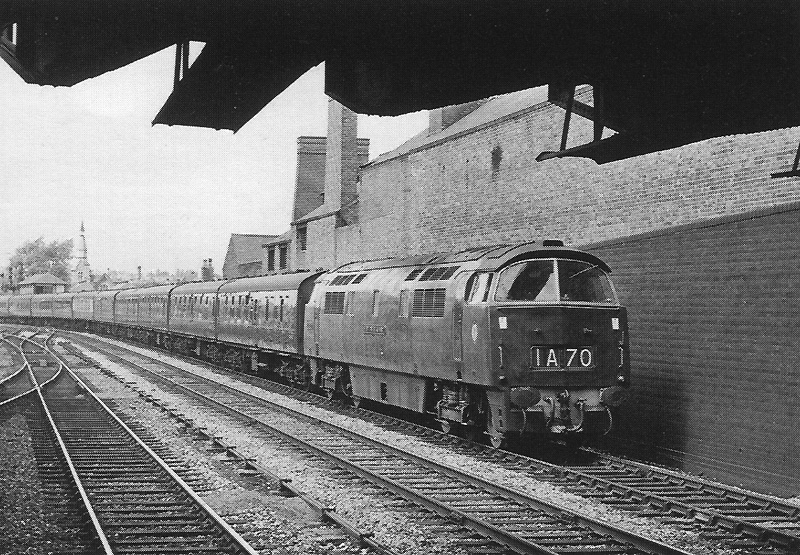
x=16 y=382
x=738 y=519
x=135 y=501
x=510 y=519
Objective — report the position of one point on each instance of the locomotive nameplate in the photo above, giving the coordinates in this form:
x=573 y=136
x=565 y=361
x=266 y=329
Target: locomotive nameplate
x=553 y=358
x=374 y=330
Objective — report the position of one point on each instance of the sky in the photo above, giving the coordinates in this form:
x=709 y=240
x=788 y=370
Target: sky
x=156 y=196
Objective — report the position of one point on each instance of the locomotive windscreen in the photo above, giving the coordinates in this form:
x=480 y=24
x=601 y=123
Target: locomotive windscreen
x=582 y=282
x=535 y=281
x=528 y=281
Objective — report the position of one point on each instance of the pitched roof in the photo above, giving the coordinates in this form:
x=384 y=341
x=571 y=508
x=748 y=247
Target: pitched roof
x=494 y=109
x=45 y=278
x=284 y=237
x=246 y=247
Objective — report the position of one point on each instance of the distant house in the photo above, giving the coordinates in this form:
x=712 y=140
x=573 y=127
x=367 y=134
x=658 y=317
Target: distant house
x=245 y=256
x=42 y=283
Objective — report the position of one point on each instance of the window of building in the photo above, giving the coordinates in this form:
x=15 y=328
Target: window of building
x=302 y=237
x=271 y=259
x=497 y=157
x=282 y=254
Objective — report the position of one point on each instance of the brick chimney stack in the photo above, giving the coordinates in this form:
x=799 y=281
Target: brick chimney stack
x=310 y=181
x=341 y=158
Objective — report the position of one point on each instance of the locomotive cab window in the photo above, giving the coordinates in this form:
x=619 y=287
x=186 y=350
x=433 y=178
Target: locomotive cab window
x=552 y=281
x=477 y=289
x=582 y=282
x=534 y=280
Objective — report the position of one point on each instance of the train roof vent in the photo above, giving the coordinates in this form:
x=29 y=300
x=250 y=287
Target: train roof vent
x=442 y=272
x=428 y=274
x=450 y=271
x=552 y=243
x=359 y=278
x=414 y=273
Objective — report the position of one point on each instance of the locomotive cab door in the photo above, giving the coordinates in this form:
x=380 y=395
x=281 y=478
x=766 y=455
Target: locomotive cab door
x=459 y=286
x=475 y=328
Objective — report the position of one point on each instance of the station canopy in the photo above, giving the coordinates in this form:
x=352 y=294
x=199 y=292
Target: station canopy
x=664 y=73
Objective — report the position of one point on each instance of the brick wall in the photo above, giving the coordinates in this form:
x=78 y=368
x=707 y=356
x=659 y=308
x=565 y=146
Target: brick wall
x=713 y=308
x=714 y=320
x=450 y=197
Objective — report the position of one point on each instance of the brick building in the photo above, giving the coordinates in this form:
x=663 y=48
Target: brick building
x=243 y=257
x=703 y=240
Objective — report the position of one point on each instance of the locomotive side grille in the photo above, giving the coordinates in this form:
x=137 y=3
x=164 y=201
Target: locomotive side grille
x=428 y=303
x=359 y=278
x=414 y=273
x=334 y=302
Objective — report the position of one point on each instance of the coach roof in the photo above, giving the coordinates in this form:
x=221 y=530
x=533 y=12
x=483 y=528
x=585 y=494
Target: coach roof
x=278 y=282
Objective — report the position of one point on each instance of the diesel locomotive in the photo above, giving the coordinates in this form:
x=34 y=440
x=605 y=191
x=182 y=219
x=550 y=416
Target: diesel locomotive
x=491 y=342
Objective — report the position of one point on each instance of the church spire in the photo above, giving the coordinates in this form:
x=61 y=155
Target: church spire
x=81 y=273
x=82 y=244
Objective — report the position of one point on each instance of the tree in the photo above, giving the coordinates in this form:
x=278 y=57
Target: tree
x=37 y=256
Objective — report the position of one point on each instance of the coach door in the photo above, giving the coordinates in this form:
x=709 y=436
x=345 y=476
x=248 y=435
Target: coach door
x=215 y=316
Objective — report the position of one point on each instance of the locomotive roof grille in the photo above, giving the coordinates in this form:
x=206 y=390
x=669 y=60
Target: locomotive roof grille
x=438 y=273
